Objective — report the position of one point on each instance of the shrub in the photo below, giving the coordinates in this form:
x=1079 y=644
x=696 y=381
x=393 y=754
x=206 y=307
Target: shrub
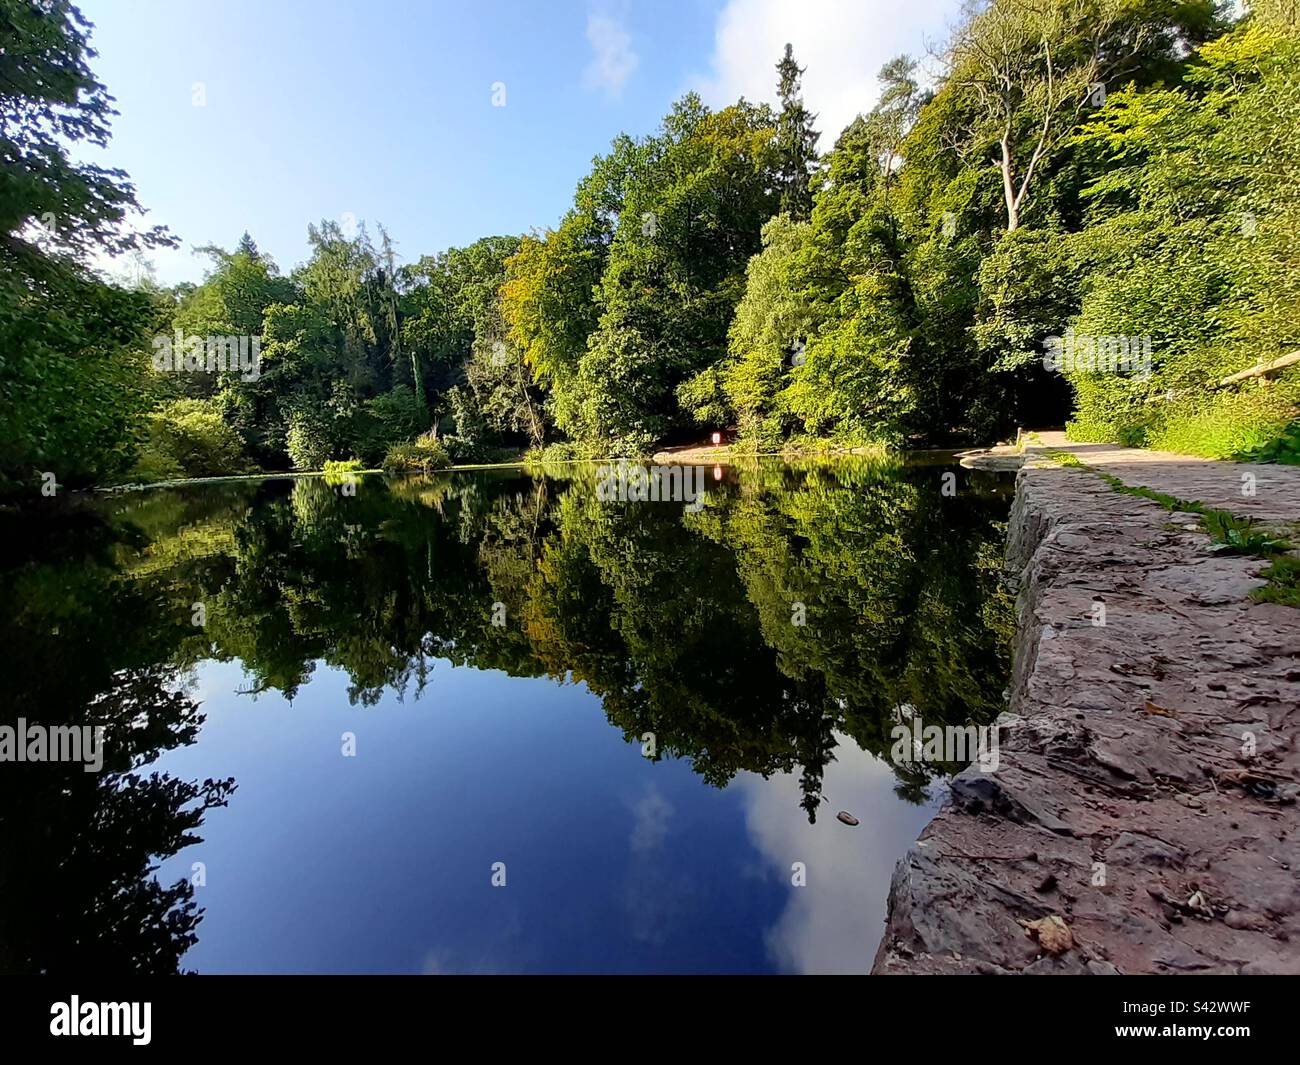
x=1231 y=424
x=307 y=440
x=1284 y=449
x=188 y=438
x=343 y=466
x=559 y=451
x=154 y=464
x=425 y=453
x=389 y=419
x=341 y=472
x=463 y=450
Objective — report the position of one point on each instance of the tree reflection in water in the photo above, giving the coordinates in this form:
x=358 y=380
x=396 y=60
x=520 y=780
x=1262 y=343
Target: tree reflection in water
x=686 y=625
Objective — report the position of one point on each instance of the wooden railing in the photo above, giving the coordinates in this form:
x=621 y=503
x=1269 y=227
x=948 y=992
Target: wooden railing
x=1262 y=370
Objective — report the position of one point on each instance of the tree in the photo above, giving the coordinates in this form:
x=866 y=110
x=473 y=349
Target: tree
x=692 y=215
x=73 y=367
x=233 y=300
x=550 y=297
x=1194 y=203
x=247 y=247
x=1283 y=15
x=454 y=322
x=796 y=140
x=1027 y=71
x=502 y=387
x=49 y=99
x=773 y=321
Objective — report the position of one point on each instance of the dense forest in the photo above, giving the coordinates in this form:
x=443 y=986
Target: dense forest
x=1119 y=173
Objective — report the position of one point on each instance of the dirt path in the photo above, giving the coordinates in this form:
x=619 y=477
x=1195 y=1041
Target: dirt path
x=1127 y=802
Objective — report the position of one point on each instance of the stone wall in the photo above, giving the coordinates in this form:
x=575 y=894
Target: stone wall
x=1128 y=824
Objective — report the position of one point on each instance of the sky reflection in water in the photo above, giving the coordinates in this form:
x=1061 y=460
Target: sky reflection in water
x=329 y=613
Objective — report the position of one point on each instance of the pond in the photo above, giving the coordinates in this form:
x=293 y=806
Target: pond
x=489 y=721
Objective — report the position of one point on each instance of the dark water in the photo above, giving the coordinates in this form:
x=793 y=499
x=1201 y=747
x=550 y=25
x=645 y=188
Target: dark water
x=396 y=696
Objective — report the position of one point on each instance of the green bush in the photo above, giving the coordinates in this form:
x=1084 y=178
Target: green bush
x=559 y=451
x=1211 y=296
x=344 y=466
x=1285 y=449
x=307 y=440
x=425 y=454
x=486 y=455
x=154 y=464
x=1231 y=424
x=463 y=450
x=343 y=472
x=188 y=438
x=385 y=420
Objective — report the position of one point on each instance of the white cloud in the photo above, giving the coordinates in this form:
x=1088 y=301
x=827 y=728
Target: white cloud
x=834 y=922
x=651 y=821
x=613 y=60
x=842 y=43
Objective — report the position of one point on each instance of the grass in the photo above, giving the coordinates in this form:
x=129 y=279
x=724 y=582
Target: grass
x=1240 y=536
x=344 y=466
x=1283 y=576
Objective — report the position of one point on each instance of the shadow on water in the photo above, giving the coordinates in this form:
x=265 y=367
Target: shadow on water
x=792 y=606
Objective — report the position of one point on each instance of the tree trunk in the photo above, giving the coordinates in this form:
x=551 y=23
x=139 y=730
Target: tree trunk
x=1008 y=187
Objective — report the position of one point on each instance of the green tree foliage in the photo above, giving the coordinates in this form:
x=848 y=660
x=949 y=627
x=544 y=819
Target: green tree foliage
x=49 y=99
x=236 y=293
x=644 y=273
x=1114 y=168
x=550 y=298
x=457 y=323
x=71 y=390
x=933 y=263
x=189 y=438
x=1193 y=204
x=773 y=319
x=796 y=140
x=377 y=423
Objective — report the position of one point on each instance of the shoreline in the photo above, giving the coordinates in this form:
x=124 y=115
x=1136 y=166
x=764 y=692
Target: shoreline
x=701 y=457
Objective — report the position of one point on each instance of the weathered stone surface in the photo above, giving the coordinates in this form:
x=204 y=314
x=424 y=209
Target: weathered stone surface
x=1125 y=801
x=1003 y=458
x=1134 y=849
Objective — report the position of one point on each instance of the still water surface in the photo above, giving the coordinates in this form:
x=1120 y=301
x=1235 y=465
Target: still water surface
x=338 y=717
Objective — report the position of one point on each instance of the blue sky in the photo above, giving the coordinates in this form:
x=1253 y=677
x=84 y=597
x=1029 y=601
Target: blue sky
x=383 y=110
